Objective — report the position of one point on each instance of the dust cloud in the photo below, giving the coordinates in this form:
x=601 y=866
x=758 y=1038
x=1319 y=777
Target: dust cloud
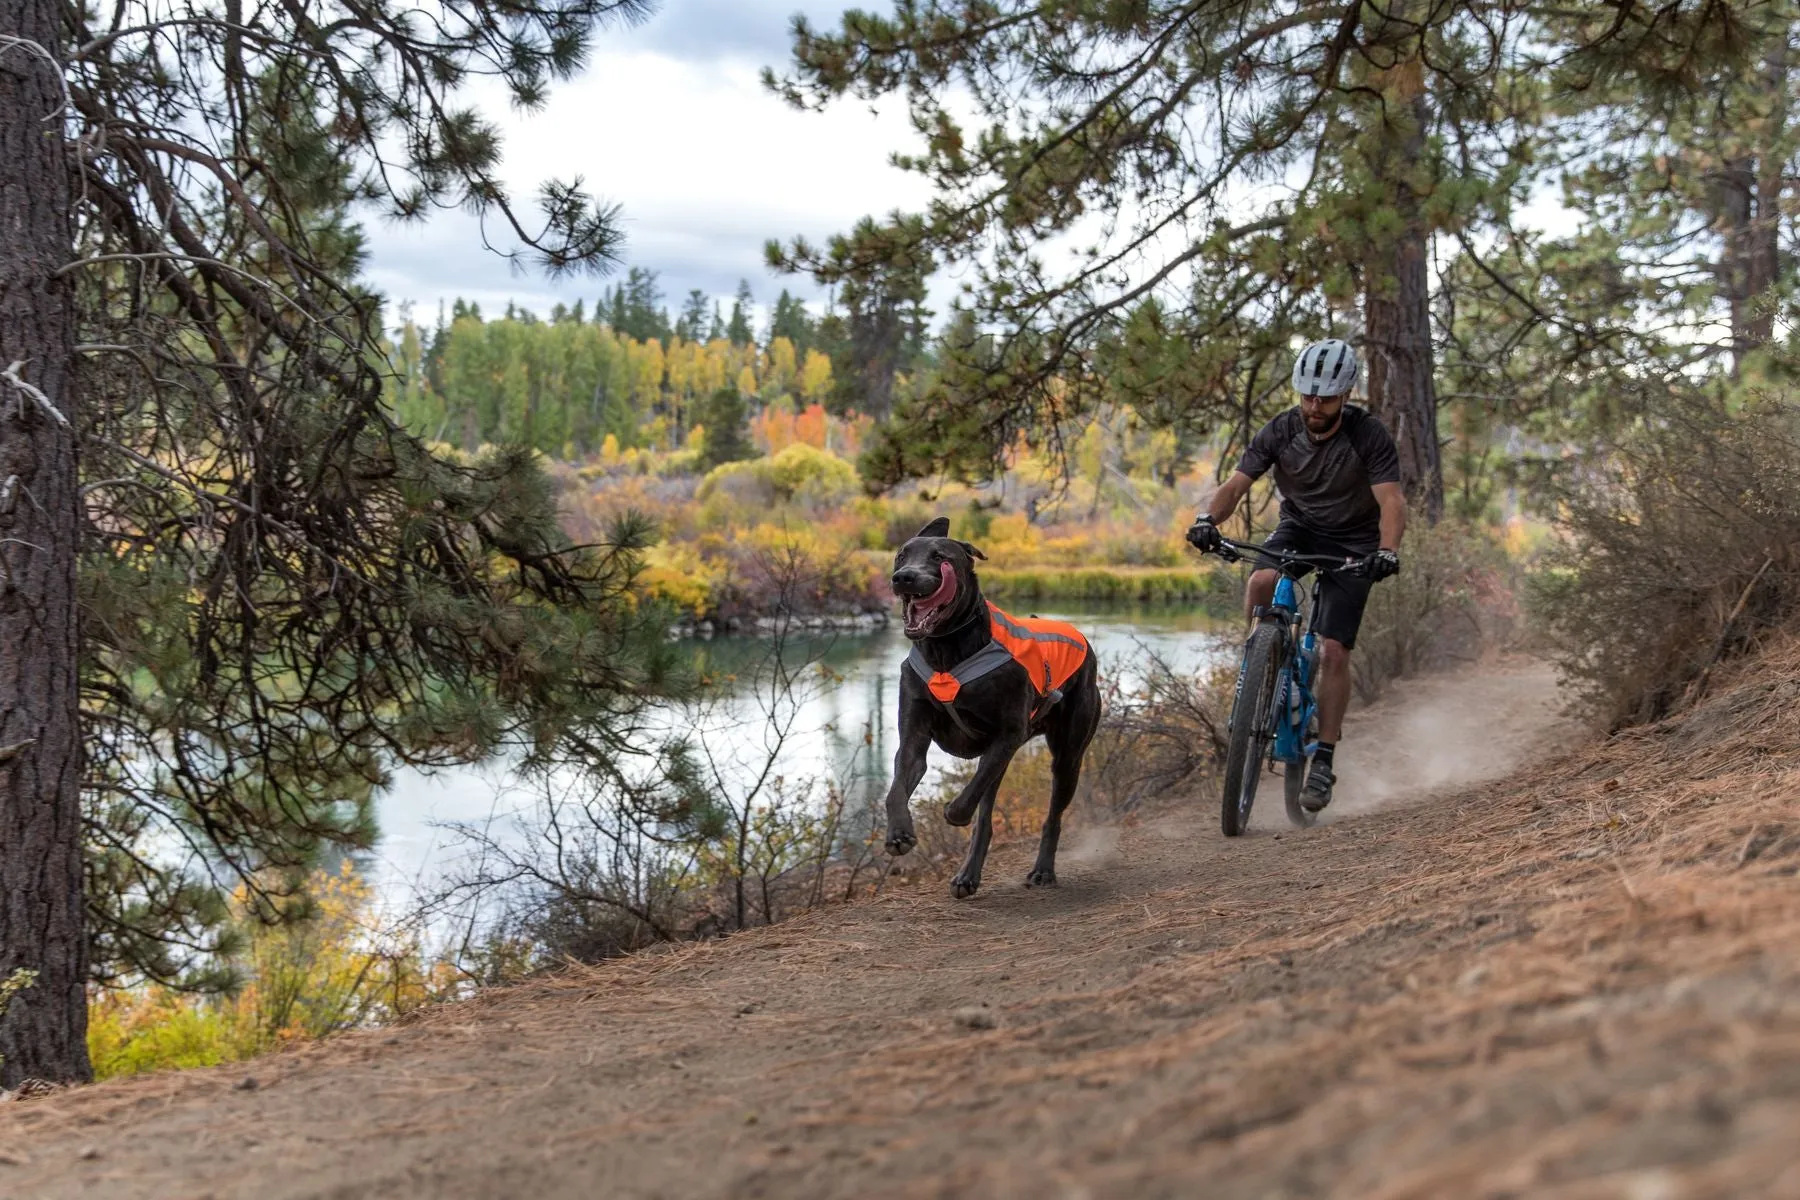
x=1090 y=846
x=1443 y=732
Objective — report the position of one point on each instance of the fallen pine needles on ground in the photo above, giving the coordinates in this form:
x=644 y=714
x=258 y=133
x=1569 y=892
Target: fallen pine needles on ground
x=1581 y=980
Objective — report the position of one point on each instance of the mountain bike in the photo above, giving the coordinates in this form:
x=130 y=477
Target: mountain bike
x=1274 y=714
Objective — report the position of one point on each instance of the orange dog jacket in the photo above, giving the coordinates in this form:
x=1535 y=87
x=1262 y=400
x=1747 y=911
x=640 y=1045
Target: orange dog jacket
x=1050 y=652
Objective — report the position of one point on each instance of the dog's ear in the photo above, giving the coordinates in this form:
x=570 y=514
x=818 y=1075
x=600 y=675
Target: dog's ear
x=973 y=552
x=936 y=527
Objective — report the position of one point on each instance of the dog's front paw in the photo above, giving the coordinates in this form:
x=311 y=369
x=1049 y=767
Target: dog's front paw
x=1041 y=879
x=958 y=816
x=900 y=842
x=965 y=885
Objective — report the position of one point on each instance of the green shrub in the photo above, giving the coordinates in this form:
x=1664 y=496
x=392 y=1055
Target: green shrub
x=1135 y=585
x=799 y=472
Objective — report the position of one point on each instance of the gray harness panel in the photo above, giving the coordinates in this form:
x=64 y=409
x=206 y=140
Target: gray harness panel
x=984 y=661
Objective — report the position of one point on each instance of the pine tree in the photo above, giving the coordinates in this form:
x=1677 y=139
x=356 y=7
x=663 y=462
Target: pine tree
x=738 y=330
x=283 y=593
x=1367 y=129
x=638 y=308
x=790 y=320
x=1660 y=131
x=691 y=326
x=1688 y=190
x=880 y=333
x=725 y=419
x=41 y=911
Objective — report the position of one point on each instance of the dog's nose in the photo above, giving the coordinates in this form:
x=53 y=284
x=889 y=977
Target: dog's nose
x=910 y=579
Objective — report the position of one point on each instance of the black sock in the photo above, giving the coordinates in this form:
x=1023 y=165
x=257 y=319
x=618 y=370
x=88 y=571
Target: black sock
x=1322 y=756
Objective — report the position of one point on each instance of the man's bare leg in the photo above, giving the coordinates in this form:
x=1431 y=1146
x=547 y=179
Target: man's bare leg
x=1332 y=689
x=1259 y=591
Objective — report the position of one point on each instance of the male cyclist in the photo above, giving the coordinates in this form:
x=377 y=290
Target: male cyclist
x=1339 y=478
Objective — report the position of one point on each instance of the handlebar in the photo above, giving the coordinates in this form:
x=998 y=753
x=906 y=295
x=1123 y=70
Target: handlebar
x=1235 y=551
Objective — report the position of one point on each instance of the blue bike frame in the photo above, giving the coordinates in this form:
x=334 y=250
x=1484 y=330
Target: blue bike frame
x=1290 y=709
x=1295 y=705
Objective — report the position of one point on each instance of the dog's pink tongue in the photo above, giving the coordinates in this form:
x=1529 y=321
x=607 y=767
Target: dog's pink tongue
x=946 y=589
x=920 y=609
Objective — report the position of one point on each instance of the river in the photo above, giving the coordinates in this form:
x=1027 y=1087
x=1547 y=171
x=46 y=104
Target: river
x=843 y=724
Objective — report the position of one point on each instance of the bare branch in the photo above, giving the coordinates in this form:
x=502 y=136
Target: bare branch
x=10 y=41
x=11 y=375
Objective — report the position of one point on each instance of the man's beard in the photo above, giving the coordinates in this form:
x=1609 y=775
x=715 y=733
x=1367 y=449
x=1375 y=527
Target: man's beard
x=1319 y=423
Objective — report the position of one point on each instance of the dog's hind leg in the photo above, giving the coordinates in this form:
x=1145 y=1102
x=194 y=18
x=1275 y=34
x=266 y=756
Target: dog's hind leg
x=979 y=795
x=1065 y=776
x=1068 y=739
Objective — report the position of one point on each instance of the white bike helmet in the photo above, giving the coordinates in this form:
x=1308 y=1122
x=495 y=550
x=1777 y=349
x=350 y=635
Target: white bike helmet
x=1326 y=368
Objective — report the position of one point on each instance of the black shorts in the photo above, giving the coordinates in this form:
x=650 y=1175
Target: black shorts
x=1341 y=596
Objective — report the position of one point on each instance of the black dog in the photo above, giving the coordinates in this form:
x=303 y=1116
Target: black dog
x=965 y=687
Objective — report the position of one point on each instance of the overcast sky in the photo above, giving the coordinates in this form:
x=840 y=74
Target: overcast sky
x=671 y=121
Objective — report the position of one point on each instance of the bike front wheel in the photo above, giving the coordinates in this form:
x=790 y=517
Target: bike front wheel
x=1251 y=725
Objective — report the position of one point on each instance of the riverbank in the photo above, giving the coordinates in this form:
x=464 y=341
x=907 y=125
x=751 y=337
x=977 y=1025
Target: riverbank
x=870 y=620
x=1029 y=585
x=1115 y=585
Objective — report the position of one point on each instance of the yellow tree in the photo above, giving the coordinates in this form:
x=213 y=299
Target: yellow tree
x=681 y=362
x=815 y=377
x=647 y=370
x=712 y=367
x=780 y=368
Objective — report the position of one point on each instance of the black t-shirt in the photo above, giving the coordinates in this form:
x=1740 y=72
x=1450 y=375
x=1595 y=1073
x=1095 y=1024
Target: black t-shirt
x=1327 y=486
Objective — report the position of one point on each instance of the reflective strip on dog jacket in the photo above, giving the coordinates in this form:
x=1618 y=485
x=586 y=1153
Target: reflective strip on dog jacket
x=1050 y=652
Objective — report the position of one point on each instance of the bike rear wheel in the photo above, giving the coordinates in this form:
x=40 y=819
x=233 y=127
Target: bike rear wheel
x=1251 y=727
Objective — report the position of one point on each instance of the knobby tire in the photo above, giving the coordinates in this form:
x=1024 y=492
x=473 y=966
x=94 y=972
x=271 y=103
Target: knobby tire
x=1251 y=727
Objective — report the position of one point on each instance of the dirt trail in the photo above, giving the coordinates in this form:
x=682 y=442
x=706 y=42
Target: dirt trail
x=1576 y=981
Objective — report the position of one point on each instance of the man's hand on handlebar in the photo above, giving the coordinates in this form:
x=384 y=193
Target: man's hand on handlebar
x=1204 y=536
x=1379 y=565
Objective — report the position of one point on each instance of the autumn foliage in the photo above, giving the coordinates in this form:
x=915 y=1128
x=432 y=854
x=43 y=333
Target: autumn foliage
x=337 y=969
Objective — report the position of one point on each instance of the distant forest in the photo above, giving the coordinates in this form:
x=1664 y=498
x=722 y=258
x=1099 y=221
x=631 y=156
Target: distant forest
x=641 y=373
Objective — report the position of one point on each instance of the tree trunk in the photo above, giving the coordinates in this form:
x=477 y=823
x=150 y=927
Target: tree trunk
x=1397 y=321
x=1749 y=194
x=1735 y=186
x=1763 y=256
x=44 y=1032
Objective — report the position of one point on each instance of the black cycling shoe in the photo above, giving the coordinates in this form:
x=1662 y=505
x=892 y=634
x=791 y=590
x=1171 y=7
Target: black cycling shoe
x=1317 y=792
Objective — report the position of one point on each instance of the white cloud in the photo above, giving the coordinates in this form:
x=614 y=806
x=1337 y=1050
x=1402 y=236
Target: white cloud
x=706 y=164
x=752 y=30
